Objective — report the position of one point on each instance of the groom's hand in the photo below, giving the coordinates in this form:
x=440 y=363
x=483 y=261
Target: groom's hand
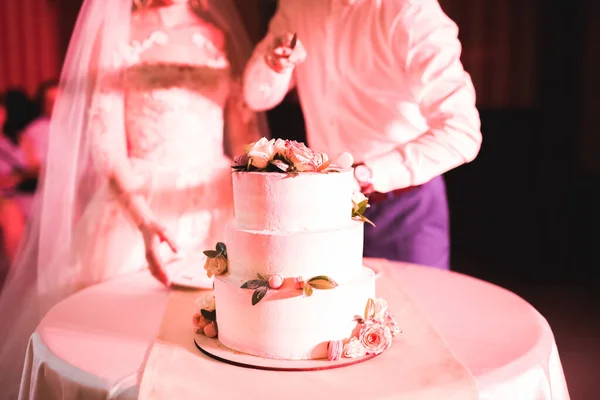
x=285 y=52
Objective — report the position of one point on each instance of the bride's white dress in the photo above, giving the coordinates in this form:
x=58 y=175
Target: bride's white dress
x=176 y=83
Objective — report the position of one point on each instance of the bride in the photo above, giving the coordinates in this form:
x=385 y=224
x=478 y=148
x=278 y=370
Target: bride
x=150 y=103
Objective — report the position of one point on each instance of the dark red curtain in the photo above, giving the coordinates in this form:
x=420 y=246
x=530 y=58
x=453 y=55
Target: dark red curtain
x=29 y=43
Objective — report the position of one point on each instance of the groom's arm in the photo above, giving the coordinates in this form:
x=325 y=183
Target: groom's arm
x=425 y=42
x=264 y=88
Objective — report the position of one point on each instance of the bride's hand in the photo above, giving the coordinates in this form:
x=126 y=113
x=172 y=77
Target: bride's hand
x=154 y=234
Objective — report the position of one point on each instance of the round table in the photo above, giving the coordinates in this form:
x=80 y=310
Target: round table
x=92 y=345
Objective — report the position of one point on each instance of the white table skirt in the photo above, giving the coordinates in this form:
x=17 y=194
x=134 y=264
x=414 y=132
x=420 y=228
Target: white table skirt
x=93 y=345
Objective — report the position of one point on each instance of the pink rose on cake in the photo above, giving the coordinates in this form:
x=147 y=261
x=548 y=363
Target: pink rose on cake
x=375 y=337
x=304 y=159
x=261 y=152
x=354 y=349
x=241 y=160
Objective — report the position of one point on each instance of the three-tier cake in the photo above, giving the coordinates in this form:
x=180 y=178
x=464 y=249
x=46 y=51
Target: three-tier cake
x=290 y=281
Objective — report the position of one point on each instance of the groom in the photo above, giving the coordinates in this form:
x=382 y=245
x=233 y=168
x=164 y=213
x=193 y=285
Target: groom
x=381 y=79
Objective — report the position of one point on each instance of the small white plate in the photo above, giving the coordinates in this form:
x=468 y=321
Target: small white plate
x=188 y=272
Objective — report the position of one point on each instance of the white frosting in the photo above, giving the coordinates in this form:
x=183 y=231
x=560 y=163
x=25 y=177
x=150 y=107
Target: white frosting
x=293 y=226
x=335 y=253
x=280 y=202
x=285 y=324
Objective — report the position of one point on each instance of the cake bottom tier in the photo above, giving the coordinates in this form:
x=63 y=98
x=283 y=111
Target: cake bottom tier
x=287 y=325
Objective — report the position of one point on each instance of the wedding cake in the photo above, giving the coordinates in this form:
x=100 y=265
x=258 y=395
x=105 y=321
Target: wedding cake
x=290 y=283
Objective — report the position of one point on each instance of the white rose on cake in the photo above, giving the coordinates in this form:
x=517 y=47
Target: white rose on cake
x=280 y=147
x=206 y=302
x=354 y=349
x=358 y=197
x=261 y=152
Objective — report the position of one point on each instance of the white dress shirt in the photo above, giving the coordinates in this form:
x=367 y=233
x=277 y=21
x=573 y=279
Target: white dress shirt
x=382 y=80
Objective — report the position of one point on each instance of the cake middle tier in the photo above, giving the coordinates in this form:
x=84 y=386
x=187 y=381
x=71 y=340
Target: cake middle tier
x=286 y=324
x=336 y=253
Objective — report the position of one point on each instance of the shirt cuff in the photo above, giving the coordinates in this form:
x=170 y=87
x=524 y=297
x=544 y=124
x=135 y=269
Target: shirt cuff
x=389 y=172
x=263 y=87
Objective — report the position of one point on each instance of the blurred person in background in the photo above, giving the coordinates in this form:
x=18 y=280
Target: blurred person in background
x=35 y=138
x=16 y=170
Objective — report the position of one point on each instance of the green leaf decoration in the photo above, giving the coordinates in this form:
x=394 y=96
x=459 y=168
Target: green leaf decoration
x=322 y=282
x=308 y=290
x=368 y=307
x=211 y=253
x=362 y=206
x=364 y=219
x=222 y=249
x=262 y=277
x=359 y=209
x=258 y=294
x=209 y=315
x=255 y=284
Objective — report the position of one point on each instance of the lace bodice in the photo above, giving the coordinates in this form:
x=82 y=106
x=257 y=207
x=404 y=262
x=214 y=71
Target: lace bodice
x=176 y=82
x=174 y=114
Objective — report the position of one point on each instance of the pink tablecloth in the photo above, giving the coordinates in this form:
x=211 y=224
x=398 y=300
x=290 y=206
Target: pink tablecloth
x=93 y=345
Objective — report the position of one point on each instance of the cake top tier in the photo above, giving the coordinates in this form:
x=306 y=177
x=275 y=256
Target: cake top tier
x=283 y=185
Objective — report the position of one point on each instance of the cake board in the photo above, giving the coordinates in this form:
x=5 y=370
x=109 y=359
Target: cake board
x=214 y=349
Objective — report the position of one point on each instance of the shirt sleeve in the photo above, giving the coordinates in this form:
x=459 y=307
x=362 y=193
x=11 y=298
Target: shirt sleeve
x=263 y=87
x=425 y=42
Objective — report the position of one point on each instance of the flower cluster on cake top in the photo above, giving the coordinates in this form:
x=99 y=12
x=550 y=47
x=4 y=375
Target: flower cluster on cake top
x=283 y=156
